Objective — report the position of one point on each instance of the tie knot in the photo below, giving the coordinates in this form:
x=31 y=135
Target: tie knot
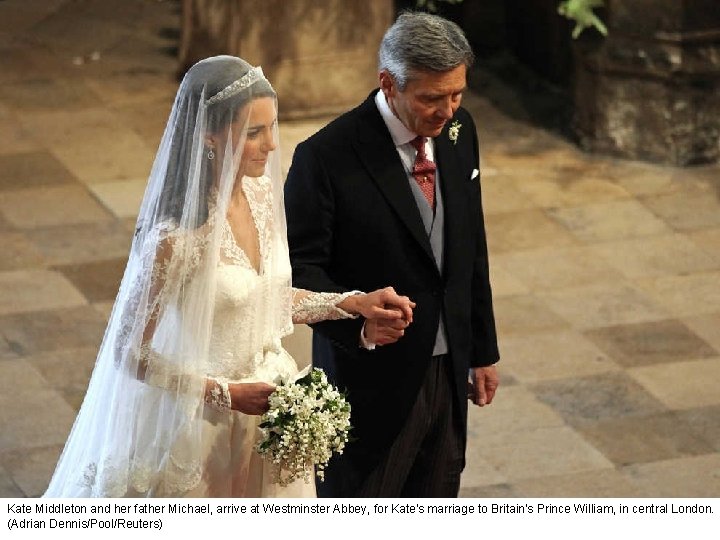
x=419 y=143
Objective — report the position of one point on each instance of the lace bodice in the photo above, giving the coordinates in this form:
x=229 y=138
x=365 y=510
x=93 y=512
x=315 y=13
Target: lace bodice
x=234 y=352
x=242 y=347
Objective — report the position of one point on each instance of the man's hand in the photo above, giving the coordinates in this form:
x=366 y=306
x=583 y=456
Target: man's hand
x=381 y=304
x=483 y=384
x=385 y=331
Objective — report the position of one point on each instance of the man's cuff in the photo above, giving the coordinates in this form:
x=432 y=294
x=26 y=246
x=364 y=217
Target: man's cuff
x=365 y=343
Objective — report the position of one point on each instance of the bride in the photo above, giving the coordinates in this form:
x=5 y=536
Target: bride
x=192 y=349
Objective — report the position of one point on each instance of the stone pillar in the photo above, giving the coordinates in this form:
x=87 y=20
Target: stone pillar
x=320 y=55
x=651 y=89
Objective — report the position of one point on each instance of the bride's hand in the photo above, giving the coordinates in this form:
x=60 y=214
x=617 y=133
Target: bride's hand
x=381 y=304
x=250 y=398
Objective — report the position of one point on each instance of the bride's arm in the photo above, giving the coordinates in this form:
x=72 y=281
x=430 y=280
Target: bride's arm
x=219 y=393
x=311 y=307
x=156 y=370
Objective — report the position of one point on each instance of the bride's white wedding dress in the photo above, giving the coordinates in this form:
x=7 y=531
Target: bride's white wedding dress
x=212 y=453
x=204 y=302
x=232 y=467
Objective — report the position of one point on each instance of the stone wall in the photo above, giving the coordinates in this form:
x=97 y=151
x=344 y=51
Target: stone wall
x=320 y=55
x=651 y=89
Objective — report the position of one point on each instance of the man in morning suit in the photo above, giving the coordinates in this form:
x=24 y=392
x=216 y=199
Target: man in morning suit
x=389 y=194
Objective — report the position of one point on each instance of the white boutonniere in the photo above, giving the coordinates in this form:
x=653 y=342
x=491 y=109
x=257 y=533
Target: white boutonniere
x=454 y=131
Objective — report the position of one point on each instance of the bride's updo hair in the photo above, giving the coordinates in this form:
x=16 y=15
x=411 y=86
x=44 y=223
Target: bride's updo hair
x=209 y=84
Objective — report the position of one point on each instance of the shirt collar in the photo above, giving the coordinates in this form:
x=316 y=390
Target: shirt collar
x=399 y=133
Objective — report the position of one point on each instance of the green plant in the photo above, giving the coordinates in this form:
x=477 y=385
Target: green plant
x=581 y=11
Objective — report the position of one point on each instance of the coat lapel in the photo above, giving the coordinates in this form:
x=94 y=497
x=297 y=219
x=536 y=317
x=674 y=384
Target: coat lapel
x=375 y=147
x=451 y=184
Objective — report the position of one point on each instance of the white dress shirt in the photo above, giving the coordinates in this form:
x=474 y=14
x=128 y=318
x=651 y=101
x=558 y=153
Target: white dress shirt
x=402 y=137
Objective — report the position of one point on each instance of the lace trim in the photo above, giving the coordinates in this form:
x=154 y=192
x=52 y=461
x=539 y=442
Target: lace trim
x=259 y=199
x=160 y=372
x=251 y=77
x=218 y=395
x=320 y=306
x=259 y=195
x=118 y=480
x=186 y=251
x=232 y=252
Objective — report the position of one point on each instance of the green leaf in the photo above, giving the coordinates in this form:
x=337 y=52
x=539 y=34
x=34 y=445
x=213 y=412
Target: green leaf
x=581 y=11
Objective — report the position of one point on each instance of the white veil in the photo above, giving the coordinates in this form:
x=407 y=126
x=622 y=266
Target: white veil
x=138 y=431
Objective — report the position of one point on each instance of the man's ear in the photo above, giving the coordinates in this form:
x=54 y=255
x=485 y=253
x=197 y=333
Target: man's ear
x=387 y=83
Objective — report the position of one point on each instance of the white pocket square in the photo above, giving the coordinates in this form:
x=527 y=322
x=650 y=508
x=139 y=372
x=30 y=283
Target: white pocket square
x=474 y=174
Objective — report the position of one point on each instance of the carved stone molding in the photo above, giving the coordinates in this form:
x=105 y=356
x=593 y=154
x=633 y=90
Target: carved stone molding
x=651 y=89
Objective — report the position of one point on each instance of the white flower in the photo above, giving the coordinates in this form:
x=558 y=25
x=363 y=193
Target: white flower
x=454 y=131
x=308 y=420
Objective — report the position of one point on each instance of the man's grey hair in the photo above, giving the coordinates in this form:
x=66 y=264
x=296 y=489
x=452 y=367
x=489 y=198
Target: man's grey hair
x=422 y=42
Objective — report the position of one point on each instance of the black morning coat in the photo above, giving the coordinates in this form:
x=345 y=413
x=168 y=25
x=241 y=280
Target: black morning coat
x=353 y=224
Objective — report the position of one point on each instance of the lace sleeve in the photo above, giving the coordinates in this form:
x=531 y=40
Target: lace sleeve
x=159 y=371
x=175 y=259
x=311 y=307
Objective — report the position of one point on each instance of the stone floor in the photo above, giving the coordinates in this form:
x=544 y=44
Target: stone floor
x=606 y=273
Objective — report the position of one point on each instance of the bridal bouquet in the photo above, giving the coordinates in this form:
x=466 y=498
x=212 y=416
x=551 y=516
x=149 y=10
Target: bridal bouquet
x=308 y=420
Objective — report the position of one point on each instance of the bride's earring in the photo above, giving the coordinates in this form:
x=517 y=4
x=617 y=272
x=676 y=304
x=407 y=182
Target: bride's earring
x=211 y=154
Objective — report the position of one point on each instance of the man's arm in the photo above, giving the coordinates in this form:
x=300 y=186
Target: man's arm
x=484 y=378
x=310 y=210
x=485 y=348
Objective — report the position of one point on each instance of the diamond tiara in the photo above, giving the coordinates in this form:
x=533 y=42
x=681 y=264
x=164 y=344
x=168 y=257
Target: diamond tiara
x=255 y=74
